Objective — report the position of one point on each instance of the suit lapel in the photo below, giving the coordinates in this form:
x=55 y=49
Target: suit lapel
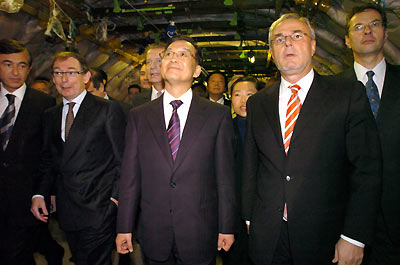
x=271 y=109
x=156 y=120
x=390 y=96
x=79 y=126
x=195 y=121
x=315 y=100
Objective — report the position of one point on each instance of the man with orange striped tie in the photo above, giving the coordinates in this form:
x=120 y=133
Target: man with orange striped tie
x=311 y=179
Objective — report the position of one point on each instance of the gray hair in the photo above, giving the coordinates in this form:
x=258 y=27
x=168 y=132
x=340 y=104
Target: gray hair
x=290 y=16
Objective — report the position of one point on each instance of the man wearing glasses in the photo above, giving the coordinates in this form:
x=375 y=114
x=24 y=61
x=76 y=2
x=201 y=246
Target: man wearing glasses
x=153 y=64
x=366 y=35
x=178 y=165
x=83 y=146
x=311 y=176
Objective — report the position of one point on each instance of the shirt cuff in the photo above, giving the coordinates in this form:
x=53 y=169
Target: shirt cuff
x=352 y=241
x=247 y=222
x=37 y=196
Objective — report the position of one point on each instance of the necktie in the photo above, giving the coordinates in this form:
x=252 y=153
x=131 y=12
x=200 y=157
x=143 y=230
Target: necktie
x=372 y=93
x=6 y=121
x=174 y=128
x=70 y=119
x=292 y=112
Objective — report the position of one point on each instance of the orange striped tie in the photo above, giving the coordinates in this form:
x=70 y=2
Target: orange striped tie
x=292 y=113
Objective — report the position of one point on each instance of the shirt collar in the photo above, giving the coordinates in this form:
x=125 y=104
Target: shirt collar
x=78 y=100
x=361 y=71
x=185 y=98
x=19 y=93
x=304 y=83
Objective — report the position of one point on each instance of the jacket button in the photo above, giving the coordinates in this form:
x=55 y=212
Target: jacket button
x=288 y=178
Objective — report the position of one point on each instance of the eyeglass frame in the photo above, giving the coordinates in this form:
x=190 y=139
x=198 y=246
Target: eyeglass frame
x=300 y=33
x=72 y=74
x=162 y=54
x=364 y=26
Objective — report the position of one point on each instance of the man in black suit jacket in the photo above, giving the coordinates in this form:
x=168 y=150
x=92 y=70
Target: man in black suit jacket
x=19 y=154
x=216 y=88
x=187 y=204
x=98 y=86
x=366 y=36
x=311 y=194
x=82 y=161
x=153 y=64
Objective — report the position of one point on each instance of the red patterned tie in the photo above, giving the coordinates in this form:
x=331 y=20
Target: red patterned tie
x=174 y=128
x=293 y=110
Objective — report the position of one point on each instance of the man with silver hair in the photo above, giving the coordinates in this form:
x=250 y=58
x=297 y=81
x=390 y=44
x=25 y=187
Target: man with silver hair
x=311 y=177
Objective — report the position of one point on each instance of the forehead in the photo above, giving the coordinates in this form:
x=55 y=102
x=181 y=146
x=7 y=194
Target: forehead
x=366 y=16
x=291 y=25
x=69 y=62
x=20 y=57
x=217 y=76
x=244 y=86
x=153 y=53
x=143 y=68
x=180 y=45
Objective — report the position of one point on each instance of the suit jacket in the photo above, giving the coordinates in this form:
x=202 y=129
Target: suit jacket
x=125 y=107
x=20 y=161
x=188 y=201
x=141 y=98
x=86 y=168
x=388 y=122
x=329 y=179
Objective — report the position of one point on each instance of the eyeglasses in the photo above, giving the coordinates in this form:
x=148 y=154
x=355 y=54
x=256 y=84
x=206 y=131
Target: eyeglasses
x=70 y=74
x=372 y=25
x=180 y=55
x=296 y=36
x=157 y=61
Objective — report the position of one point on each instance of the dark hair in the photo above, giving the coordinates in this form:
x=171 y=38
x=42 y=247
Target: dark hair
x=214 y=73
x=359 y=9
x=198 y=55
x=9 y=46
x=98 y=76
x=135 y=86
x=65 y=55
x=41 y=79
x=245 y=79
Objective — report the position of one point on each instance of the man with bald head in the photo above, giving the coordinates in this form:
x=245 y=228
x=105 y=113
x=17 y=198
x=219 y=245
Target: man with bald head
x=311 y=176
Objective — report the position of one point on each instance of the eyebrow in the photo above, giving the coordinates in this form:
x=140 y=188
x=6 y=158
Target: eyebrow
x=294 y=31
x=368 y=22
x=9 y=61
x=69 y=68
x=186 y=49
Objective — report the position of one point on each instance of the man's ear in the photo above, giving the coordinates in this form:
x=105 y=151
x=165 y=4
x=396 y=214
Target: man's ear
x=347 y=41
x=197 y=71
x=86 y=77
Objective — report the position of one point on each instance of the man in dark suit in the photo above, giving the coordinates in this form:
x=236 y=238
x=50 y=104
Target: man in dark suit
x=153 y=64
x=216 y=88
x=98 y=86
x=21 y=110
x=178 y=169
x=312 y=160
x=83 y=145
x=366 y=35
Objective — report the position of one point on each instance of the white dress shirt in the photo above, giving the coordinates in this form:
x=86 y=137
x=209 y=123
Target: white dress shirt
x=19 y=96
x=154 y=92
x=183 y=110
x=219 y=101
x=379 y=76
x=285 y=92
x=78 y=101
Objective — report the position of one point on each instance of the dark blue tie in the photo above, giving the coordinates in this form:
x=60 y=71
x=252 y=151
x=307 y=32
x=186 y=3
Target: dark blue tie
x=6 y=124
x=372 y=93
x=174 y=128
